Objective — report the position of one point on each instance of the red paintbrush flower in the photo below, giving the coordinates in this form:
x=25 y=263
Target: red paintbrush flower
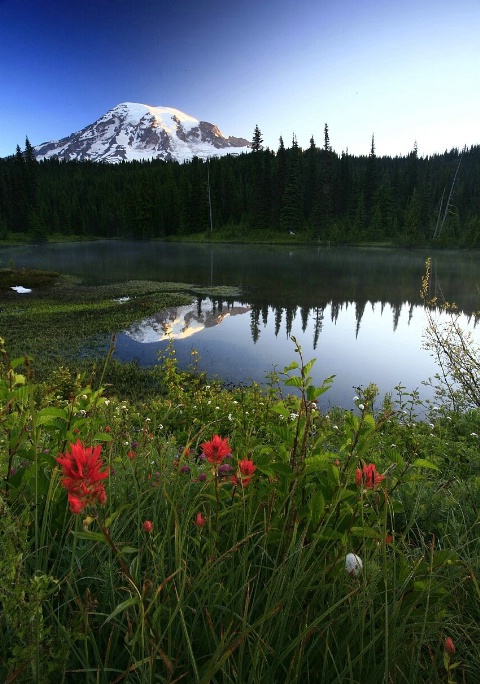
x=368 y=476
x=82 y=476
x=449 y=646
x=247 y=469
x=199 y=521
x=216 y=449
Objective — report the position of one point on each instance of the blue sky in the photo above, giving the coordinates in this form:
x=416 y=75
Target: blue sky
x=403 y=71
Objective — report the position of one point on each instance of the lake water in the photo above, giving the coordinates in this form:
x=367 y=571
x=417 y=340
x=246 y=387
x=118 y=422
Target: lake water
x=357 y=311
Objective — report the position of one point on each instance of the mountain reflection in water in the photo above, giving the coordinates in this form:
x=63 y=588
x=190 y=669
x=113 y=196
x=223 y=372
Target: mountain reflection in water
x=358 y=311
x=178 y=323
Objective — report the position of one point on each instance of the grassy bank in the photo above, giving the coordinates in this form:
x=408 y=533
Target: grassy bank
x=232 y=235
x=215 y=535
x=192 y=532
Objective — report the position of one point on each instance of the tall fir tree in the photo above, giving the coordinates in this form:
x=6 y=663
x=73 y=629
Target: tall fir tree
x=257 y=140
x=291 y=217
x=323 y=207
x=370 y=182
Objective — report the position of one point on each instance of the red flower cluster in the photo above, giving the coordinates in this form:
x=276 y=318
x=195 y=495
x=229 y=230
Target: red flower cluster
x=368 y=476
x=216 y=449
x=246 y=470
x=200 y=521
x=82 y=476
x=148 y=526
x=449 y=646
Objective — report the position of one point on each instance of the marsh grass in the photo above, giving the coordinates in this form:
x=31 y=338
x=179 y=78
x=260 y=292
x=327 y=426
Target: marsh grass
x=9 y=277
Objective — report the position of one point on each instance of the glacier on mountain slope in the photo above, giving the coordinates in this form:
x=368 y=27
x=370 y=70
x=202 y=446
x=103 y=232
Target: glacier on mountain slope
x=135 y=132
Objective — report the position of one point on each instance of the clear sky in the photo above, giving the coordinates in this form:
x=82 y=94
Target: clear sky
x=403 y=70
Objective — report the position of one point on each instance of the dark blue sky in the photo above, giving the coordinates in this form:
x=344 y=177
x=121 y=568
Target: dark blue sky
x=404 y=71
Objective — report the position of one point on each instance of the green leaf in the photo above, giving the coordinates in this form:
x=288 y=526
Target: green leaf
x=91 y=536
x=316 y=463
x=445 y=556
x=52 y=411
x=115 y=514
x=423 y=463
x=132 y=601
x=316 y=506
x=102 y=437
x=292 y=366
x=294 y=382
x=280 y=409
x=127 y=549
x=48 y=416
x=17 y=362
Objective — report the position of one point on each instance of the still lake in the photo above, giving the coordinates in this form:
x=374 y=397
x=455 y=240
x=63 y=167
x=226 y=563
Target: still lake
x=357 y=311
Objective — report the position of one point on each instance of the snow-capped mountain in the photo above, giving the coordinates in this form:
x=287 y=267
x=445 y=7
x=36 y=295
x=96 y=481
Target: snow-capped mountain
x=132 y=131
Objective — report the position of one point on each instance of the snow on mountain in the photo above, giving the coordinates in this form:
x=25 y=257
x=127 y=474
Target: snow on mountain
x=132 y=131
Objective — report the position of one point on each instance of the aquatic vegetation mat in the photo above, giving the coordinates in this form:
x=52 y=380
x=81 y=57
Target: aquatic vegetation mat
x=62 y=320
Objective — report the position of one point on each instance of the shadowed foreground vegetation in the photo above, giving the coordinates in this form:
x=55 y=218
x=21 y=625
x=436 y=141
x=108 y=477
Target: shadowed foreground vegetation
x=156 y=552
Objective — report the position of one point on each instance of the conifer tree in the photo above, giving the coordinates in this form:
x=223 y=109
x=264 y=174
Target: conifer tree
x=311 y=178
x=257 y=140
x=291 y=211
x=323 y=207
x=326 y=139
x=370 y=181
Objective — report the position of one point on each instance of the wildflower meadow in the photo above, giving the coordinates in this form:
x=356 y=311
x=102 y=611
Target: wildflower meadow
x=212 y=534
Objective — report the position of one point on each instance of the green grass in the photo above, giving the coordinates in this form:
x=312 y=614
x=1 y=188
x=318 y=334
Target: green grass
x=260 y=592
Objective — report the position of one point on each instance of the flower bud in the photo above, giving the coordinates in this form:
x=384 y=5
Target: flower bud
x=449 y=646
x=353 y=564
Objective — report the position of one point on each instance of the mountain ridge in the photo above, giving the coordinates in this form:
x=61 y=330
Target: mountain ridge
x=132 y=131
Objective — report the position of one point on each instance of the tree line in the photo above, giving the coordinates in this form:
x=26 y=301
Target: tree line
x=313 y=193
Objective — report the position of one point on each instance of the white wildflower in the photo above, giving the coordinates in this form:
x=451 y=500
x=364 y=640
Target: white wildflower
x=353 y=564
x=361 y=407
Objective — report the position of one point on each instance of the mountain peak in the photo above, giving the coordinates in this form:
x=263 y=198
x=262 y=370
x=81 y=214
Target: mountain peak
x=133 y=131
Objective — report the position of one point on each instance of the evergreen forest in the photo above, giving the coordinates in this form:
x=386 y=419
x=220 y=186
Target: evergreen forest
x=308 y=195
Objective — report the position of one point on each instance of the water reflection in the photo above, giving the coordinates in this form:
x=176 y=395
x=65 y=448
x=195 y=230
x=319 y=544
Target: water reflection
x=357 y=310
x=178 y=323
x=359 y=343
